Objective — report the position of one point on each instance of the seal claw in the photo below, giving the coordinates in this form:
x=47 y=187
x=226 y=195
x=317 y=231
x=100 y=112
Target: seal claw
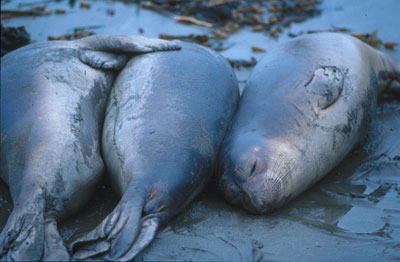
x=147 y=233
x=97 y=241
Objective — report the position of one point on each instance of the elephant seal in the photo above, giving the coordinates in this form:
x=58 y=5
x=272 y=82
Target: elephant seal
x=306 y=105
x=166 y=117
x=52 y=110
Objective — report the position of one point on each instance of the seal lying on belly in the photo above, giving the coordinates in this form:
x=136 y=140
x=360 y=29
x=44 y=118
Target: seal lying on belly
x=305 y=106
x=52 y=109
x=166 y=117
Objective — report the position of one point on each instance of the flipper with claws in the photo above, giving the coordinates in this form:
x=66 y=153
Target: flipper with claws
x=166 y=116
x=53 y=100
x=124 y=233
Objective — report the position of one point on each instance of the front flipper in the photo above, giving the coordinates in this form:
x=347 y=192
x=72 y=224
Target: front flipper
x=124 y=233
x=102 y=60
x=126 y=44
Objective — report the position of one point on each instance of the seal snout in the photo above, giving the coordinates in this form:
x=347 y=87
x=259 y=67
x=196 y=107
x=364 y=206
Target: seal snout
x=247 y=178
x=261 y=196
x=258 y=196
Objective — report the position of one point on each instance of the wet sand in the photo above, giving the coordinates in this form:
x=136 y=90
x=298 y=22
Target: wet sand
x=352 y=214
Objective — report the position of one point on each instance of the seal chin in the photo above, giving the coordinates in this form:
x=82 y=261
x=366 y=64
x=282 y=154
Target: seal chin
x=259 y=196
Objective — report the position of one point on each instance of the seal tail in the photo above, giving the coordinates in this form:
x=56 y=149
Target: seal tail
x=27 y=235
x=54 y=248
x=123 y=234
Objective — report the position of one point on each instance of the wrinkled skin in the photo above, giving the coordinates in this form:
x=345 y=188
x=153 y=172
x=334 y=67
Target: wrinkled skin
x=53 y=99
x=166 y=117
x=306 y=105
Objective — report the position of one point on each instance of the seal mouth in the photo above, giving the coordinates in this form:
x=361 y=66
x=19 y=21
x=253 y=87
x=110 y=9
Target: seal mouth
x=254 y=203
x=257 y=195
x=256 y=199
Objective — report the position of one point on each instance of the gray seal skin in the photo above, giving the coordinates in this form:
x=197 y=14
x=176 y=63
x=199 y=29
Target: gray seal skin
x=306 y=105
x=166 y=117
x=52 y=109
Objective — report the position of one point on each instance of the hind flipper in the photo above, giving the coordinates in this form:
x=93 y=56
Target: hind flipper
x=54 y=248
x=23 y=236
x=96 y=242
x=28 y=236
x=126 y=44
x=148 y=230
x=116 y=233
x=124 y=233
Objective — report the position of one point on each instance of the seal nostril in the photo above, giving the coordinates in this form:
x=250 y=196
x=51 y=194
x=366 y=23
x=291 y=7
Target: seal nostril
x=253 y=169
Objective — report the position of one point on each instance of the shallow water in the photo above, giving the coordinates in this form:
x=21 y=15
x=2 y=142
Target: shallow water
x=352 y=214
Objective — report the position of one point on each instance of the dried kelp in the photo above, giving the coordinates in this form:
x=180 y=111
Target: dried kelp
x=369 y=38
x=78 y=33
x=238 y=63
x=230 y=15
x=373 y=40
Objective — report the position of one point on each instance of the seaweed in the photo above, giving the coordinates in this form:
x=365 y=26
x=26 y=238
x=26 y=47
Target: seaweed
x=369 y=38
x=228 y=16
x=78 y=33
x=13 y=38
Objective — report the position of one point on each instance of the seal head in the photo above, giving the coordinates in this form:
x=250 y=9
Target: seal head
x=303 y=109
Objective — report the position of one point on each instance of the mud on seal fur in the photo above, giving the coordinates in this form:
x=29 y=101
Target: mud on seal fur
x=53 y=98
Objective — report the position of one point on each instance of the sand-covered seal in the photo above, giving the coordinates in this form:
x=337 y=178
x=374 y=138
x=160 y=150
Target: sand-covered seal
x=166 y=118
x=53 y=99
x=306 y=105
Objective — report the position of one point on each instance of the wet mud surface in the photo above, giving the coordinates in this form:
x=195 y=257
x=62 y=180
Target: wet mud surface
x=352 y=214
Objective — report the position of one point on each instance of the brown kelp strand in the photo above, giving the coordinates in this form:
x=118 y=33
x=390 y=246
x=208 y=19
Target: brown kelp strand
x=239 y=63
x=371 y=39
x=78 y=33
x=230 y=15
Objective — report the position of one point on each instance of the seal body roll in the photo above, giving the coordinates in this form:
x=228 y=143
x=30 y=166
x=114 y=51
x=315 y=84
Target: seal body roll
x=166 y=117
x=306 y=105
x=53 y=99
